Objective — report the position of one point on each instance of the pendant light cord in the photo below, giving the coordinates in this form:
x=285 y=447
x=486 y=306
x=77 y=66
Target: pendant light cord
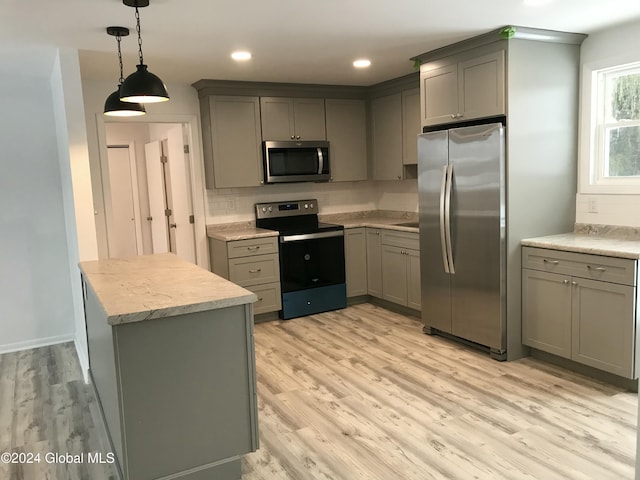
x=139 y=37
x=118 y=38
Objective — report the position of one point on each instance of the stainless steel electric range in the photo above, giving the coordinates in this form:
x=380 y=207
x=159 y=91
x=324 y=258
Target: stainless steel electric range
x=311 y=257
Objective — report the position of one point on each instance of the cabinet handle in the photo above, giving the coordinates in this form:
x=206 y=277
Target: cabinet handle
x=259 y=299
x=453 y=115
x=297 y=137
x=566 y=282
x=574 y=283
x=459 y=115
x=597 y=269
x=255 y=270
x=552 y=262
x=254 y=248
x=293 y=137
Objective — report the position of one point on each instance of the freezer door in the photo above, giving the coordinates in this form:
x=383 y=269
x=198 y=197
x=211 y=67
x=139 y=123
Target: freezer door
x=433 y=152
x=476 y=155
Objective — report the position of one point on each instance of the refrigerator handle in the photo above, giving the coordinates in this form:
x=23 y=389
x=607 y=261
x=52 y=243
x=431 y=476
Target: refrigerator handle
x=447 y=218
x=443 y=209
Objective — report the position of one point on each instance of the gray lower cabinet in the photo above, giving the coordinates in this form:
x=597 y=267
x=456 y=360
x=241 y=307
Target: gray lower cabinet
x=401 y=268
x=355 y=253
x=231 y=141
x=581 y=307
x=253 y=264
x=374 y=263
x=347 y=135
x=177 y=393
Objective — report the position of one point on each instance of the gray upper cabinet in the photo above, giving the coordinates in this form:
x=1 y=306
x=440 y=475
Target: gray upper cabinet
x=410 y=125
x=231 y=141
x=462 y=90
x=386 y=131
x=286 y=118
x=347 y=135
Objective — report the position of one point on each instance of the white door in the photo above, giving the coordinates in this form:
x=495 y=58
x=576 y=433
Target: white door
x=179 y=195
x=121 y=219
x=157 y=197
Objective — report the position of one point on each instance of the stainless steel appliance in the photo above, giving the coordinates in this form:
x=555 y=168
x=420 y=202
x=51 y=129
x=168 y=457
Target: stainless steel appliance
x=461 y=182
x=296 y=161
x=312 y=271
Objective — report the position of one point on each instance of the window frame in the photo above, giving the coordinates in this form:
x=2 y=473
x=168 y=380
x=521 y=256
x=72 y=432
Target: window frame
x=593 y=128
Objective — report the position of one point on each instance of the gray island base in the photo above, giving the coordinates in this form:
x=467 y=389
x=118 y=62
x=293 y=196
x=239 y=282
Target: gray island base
x=172 y=361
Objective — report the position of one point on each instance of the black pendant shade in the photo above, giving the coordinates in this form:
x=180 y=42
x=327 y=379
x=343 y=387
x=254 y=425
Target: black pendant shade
x=142 y=86
x=114 y=107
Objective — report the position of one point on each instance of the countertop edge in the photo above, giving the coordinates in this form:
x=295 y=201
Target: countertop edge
x=588 y=248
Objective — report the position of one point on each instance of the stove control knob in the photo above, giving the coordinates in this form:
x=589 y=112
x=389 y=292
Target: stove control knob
x=311 y=205
x=270 y=209
x=264 y=209
x=306 y=205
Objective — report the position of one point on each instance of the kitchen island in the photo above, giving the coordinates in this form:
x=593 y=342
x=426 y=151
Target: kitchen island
x=172 y=361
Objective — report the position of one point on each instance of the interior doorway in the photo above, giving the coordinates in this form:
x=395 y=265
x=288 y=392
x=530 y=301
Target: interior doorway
x=147 y=190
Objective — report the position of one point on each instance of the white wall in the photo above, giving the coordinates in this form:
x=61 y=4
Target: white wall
x=613 y=46
x=36 y=303
x=400 y=196
x=73 y=158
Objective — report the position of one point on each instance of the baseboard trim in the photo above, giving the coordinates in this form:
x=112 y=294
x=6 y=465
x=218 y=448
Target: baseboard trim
x=36 y=343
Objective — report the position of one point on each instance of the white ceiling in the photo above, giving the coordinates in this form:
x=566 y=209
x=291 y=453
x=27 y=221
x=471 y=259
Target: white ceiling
x=302 y=41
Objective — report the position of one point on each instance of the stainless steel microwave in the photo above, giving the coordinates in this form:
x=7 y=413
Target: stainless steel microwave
x=296 y=161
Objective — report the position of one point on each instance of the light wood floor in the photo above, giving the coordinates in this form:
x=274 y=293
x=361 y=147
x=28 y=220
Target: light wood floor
x=45 y=407
x=359 y=393
x=362 y=394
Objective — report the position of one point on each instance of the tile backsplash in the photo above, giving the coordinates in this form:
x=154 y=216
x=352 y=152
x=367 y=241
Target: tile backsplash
x=237 y=204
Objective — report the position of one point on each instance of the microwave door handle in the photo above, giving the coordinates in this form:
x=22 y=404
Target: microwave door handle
x=320 y=161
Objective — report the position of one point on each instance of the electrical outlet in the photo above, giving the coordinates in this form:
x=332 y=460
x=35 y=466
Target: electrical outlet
x=592 y=205
x=231 y=204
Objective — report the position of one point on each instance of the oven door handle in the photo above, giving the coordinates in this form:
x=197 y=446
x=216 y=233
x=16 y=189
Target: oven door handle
x=311 y=236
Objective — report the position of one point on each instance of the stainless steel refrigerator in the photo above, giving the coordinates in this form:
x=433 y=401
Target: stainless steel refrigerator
x=461 y=183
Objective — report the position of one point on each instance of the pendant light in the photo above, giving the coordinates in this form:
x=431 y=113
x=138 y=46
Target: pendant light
x=142 y=86
x=114 y=107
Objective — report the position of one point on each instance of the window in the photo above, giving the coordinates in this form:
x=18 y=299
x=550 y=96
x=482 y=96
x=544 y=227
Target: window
x=616 y=154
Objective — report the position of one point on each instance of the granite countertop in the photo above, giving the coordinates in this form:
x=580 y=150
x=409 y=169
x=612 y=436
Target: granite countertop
x=374 y=218
x=158 y=286
x=609 y=245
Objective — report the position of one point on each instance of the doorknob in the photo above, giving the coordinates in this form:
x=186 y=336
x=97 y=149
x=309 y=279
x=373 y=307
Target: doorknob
x=149 y=218
x=172 y=225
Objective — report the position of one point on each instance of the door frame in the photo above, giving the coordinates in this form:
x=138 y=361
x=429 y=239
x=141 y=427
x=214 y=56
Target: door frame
x=196 y=171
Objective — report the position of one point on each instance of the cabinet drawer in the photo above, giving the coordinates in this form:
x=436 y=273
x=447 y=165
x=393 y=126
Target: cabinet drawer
x=253 y=246
x=399 y=239
x=255 y=270
x=269 y=299
x=583 y=265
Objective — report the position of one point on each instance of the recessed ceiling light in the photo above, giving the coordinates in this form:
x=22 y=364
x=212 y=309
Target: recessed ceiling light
x=362 y=63
x=240 y=56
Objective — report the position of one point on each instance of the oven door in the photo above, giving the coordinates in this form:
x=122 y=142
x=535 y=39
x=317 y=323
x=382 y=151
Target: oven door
x=311 y=260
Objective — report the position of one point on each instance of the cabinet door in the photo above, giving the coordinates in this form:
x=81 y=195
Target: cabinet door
x=374 y=263
x=413 y=280
x=394 y=275
x=386 y=128
x=546 y=312
x=235 y=141
x=438 y=94
x=482 y=88
x=347 y=136
x=309 y=119
x=603 y=326
x=277 y=118
x=411 y=127
x=355 y=253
